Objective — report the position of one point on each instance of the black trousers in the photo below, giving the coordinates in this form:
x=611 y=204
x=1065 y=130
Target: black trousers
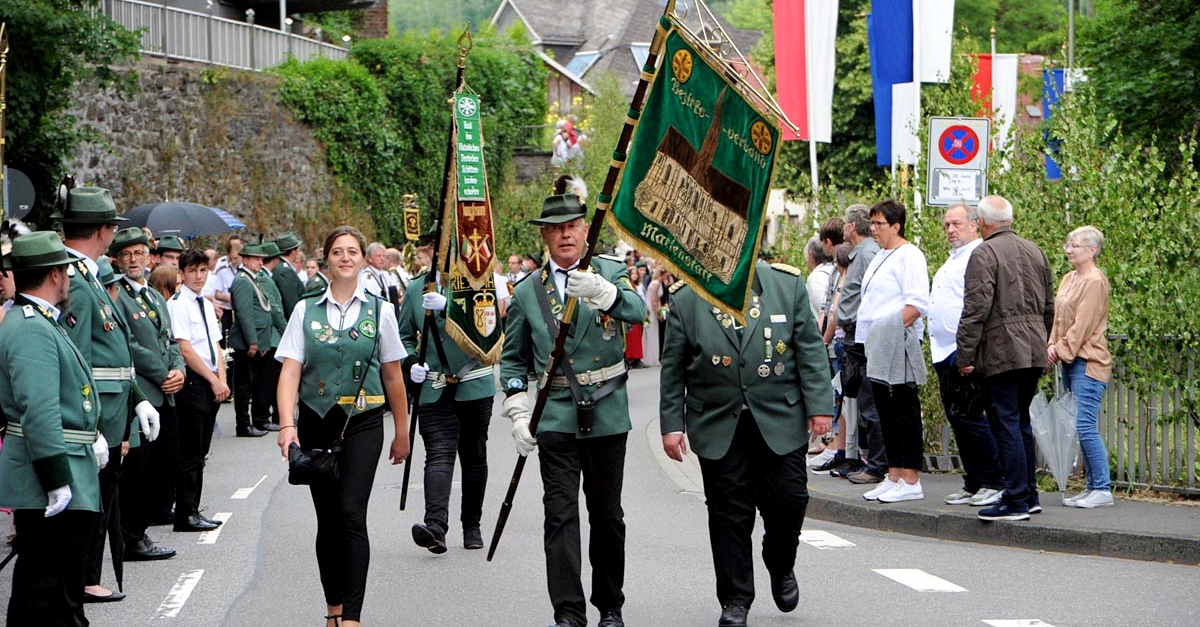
x=600 y=461
x=48 y=577
x=196 y=408
x=343 y=547
x=447 y=428
x=965 y=400
x=1008 y=416
x=109 y=516
x=900 y=419
x=162 y=466
x=751 y=476
x=244 y=369
x=266 y=379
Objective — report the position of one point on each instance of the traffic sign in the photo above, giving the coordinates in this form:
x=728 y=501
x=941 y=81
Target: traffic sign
x=958 y=160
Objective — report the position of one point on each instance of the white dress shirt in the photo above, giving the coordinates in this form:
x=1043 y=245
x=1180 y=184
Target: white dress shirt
x=946 y=301
x=291 y=345
x=188 y=323
x=895 y=278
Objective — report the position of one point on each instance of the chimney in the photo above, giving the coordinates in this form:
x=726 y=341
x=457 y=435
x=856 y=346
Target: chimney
x=375 y=21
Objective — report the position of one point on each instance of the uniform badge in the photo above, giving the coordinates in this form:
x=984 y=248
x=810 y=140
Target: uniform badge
x=779 y=369
x=314 y=325
x=754 y=312
x=353 y=334
x=726 y=360
x=726 y=322
x=780 y=347
x=361 y=402
x=71 y=319
x=778 y=319
x=153 y=315
x=70 y=270
x=87 y=406
x=764 y=371
x=716 y=359
x=367 y=327
x=28 y=311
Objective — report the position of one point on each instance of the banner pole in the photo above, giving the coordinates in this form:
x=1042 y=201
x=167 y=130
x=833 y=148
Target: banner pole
x=604 y=200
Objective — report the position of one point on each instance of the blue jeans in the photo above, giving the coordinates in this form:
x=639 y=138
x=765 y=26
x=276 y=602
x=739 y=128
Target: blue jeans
x=1088 y=392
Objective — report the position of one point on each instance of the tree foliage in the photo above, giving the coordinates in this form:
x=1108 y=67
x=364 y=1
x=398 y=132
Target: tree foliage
x=422 y=16
x=52 y=45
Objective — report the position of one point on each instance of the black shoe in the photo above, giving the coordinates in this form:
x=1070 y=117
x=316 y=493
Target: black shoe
x=147 y=551
x=733 y=616
x=430 y=538
x=250 y=432
x=194 y=523
x=847 y=468
x=472 y=538
x=611 y=618
x=270 y=426
x=785 y=591
x=111 y=597
x=838 y=459
x=565 y=622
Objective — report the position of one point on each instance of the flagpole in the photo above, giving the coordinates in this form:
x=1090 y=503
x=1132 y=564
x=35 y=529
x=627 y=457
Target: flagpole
x=916 y=186
x=604 y=200
x=812 y=140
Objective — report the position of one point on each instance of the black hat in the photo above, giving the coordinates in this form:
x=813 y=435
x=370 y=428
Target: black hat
x=428 y=238
x=560 y=209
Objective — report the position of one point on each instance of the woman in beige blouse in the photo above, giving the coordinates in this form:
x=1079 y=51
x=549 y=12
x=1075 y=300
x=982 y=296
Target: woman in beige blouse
x=1079 y=341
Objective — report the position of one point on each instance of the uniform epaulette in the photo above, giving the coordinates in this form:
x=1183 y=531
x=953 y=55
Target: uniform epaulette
x=676 y=286
x=783 y=267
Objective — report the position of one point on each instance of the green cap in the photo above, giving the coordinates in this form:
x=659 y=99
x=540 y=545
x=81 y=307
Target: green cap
x=40 y=249
x=270 y=250
x=169 y=242
x=126 y=238
x=89 y=205
x=559 y=209
x=254 y=250
x=287 y=242
x=106 y=274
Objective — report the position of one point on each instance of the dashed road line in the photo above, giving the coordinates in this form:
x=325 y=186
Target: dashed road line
x=210 y=537
x=171 y=606
x=244 y=493
x=824 y=540
x=919 y=580
x=1019 y=622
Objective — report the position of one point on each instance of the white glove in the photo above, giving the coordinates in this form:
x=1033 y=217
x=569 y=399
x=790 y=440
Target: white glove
x=594 y=290
x=433 y=301
x=100 y=448
x=417 y=372
x=517 y=410
x=57 y=500
x=148 y=416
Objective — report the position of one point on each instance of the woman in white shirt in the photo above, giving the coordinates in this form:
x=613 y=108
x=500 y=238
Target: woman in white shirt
x=895 y=296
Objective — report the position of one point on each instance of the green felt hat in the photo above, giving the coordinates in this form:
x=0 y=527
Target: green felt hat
x=559 y=209
x=126 y=238
x=254 y=250
x=287 y=242
x=40 y=249
x=270 y=250
x=89 y=205
x=169 y=242
x=106 y=274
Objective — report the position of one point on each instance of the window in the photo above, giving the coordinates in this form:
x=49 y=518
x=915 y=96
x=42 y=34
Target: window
x=582 y=62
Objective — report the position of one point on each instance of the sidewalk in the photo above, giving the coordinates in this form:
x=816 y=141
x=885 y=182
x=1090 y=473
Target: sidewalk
x=1137 y=530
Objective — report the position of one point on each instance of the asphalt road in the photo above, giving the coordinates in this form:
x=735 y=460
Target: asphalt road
x=260 y=570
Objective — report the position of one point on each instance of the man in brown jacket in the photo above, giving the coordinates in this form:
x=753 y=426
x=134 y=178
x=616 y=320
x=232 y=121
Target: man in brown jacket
x=1008 y=310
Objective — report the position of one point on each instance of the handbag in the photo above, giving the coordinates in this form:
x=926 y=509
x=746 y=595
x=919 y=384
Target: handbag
x=854 y=369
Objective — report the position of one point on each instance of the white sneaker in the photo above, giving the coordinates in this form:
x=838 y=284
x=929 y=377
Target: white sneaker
x=822 y=458
x=1096 y=498
x=985 y=497
x=1070 y=500
x=962 y=497
x=886 y=485
x=903 y=492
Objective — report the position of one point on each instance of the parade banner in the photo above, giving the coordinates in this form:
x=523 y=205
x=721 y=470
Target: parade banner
x=472 y=313
x=694 y=189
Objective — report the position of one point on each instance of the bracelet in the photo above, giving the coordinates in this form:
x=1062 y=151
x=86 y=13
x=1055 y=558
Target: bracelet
x=282 y=427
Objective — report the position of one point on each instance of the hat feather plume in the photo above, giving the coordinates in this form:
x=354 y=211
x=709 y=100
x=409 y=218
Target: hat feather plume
x=567 y=184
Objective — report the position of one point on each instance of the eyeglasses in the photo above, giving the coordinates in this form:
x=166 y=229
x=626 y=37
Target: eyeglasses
x=131 y=254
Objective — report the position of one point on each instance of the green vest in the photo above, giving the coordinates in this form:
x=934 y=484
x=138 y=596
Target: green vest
x=341 y=367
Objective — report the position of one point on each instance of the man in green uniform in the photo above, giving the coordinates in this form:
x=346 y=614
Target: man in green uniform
x=286 y=274
x=747 y=398
x=250 y=335
x=583 y=428
x=455 y=408
x=170 y=247
x=266 y=376
x=147 y=474
x=50 y=462
x=89 y=222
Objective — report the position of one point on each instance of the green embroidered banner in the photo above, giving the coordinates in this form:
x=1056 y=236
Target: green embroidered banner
x=694 y=188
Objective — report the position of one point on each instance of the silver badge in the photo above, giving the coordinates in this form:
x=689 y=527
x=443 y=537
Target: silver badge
x=764 y=371
x=716 y=359
x=779 y=369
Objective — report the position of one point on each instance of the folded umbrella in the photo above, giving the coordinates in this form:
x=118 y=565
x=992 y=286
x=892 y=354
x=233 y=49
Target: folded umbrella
x=1053 y=424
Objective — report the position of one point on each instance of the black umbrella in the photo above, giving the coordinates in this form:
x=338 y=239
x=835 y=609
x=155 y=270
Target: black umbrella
x=188 y=219
x=116 y=545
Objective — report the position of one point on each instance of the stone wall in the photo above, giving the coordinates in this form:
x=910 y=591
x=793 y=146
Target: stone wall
x=214 y=136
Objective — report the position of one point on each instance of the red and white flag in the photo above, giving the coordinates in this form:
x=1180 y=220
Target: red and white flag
x=805 y=31
x=995 y=90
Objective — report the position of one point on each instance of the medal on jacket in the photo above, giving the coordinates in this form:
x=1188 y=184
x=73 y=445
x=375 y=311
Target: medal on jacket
x=361 y=401
x=754 y=311
x=767 y=341
x=87 y=402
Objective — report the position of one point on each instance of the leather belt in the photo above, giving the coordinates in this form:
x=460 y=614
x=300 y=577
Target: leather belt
x=437 y=380
x=72 y=436
x=113 y=374
x=591 y=377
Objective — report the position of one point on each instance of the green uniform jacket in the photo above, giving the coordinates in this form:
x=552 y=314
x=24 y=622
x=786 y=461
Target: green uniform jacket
x=316 y=285
x=709 y=374
x=251 y=323
x=412 y=324
x=101 y=333
x=528 y=342
x=290 y=287
x=43 y=391
x=278 y=319
x=155 y=351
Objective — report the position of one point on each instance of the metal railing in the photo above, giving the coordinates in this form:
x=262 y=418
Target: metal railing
x=185 y=35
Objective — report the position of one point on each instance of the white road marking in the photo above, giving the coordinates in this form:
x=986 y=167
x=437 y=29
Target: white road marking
x=824 y=540
x=1020 y=622
x=210 y=537
x=244 y=493
x=179 y=594
x=919 y=580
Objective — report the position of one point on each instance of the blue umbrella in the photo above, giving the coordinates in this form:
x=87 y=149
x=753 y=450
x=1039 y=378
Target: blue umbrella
x=187 y=219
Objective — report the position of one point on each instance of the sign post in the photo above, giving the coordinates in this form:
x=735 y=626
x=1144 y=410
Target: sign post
x=958 y=160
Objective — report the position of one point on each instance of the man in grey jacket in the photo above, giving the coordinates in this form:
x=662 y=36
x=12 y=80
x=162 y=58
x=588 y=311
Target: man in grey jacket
x=1008 y=310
